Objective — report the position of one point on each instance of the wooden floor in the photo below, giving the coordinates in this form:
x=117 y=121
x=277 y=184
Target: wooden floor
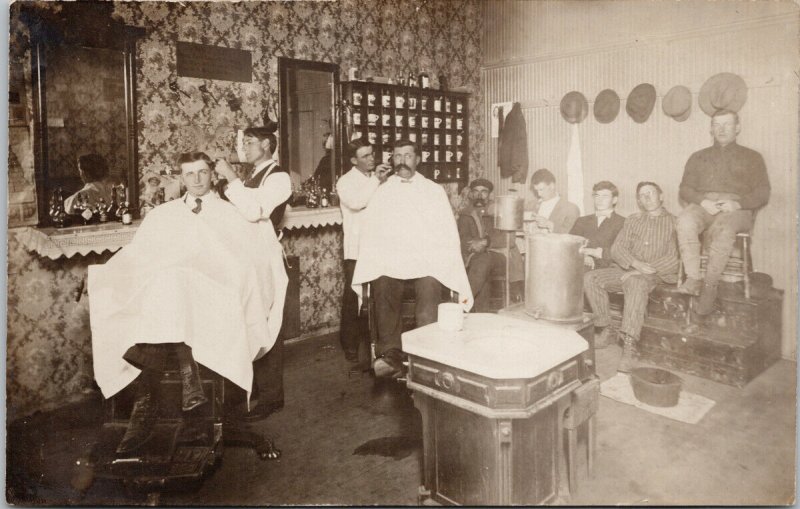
x=349 y=441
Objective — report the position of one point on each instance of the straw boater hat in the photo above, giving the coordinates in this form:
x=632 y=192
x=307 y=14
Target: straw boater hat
x=606 y=106
x=723 y=91
x=640 y=102
x=677 y=103
x=574 y=107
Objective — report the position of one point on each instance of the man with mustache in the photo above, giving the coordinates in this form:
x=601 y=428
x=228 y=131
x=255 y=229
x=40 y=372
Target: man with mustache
x=483 y=247
x=409 y=233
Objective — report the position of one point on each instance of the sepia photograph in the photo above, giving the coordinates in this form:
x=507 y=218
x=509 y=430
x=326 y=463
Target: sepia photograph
x=402 y=252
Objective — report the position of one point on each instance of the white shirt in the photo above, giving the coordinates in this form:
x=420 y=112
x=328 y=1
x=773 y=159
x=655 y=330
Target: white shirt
x=191 y=201
x=257 y=203
x=409 y=231
x=546 y=206
x=355 y=191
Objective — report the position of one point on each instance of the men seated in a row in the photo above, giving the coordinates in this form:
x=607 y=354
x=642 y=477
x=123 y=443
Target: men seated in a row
x=644 y=255
x=408 y=233
x=197 y=278
x=483 y=248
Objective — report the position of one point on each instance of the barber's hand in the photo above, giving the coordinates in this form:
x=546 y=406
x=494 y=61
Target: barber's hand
x=382 y=172
x=710 y=206
x=588 y=261
x=225 y=170
x=728 y=205
x=643 y=267
x=628 y=274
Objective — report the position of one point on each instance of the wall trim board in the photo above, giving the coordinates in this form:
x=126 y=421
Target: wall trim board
x=764 y=21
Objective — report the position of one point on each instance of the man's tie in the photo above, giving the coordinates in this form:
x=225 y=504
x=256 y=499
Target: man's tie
x=199 y=206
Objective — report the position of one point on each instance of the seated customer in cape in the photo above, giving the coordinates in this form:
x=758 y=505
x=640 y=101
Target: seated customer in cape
x=197 y=278
x=483 y=247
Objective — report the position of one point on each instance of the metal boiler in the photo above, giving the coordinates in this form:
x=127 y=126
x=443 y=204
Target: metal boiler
x=554 y=277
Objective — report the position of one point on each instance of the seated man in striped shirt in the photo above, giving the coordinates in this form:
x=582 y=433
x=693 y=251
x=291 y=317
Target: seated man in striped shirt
x=644 y=254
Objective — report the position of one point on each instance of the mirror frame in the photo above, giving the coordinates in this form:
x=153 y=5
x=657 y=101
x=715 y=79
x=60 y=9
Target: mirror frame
x=103 y=32
x=285 y=66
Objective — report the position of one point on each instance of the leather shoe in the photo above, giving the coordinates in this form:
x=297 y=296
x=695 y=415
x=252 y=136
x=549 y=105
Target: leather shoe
x=606 y=338
x=389 y=365
x=705 y=303
x=260 y=412
x=140 y=425
x=690 y=286
x=351 y=356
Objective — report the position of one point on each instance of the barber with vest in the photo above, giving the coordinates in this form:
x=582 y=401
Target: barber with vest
x=262 y=198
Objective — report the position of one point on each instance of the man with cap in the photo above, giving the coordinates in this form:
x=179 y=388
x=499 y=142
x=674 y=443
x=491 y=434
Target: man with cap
x=483 y=247
x=408 y=233
x=551 y=213
x=355 y=189
x=600 y=228
x=723 y=185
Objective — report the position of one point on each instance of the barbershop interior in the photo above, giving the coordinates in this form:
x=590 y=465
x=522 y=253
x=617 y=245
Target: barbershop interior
x=222 y=290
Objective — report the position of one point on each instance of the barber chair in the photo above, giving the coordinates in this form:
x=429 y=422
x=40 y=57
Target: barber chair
x=739 y=263
x=184 y=448
x=407 y=312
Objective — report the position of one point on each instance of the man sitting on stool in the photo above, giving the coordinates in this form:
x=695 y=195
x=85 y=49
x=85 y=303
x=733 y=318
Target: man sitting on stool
x=196 y=278
x=644 y=254
x=482 y=246
x=409 y=232
x=723 y=184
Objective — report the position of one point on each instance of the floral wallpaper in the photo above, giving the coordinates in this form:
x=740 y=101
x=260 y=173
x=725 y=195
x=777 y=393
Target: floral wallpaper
x=49 y=351
x=48 y=342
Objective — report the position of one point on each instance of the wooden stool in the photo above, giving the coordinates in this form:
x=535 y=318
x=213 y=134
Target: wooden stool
x=582 y=409
x=738 y=267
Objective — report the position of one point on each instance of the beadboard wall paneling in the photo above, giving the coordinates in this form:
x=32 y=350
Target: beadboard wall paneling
x=763 y=50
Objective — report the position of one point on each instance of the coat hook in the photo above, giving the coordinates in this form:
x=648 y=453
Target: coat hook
x=204 y=89
x=173 y=85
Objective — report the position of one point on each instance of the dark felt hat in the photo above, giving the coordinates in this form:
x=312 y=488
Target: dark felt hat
x=677 y=103
x=606 y=106
x=482 y=182
x=723 y=91
x=640 y=102
x=574 y=107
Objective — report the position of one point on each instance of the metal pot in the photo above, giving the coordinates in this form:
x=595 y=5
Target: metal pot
x=508 y=212
x=554 y=277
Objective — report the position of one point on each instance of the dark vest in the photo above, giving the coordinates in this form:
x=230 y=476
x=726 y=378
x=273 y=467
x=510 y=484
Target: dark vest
x=255 y=181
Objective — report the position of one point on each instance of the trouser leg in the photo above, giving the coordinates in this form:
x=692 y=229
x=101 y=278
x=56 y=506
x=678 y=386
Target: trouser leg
x=596 y=285
x=636 y=290
x=723 y=232
x=388 y=294
x=479 y=272
x=429 y=296
x=690 y=224
x=268 y=375
x=351 y=328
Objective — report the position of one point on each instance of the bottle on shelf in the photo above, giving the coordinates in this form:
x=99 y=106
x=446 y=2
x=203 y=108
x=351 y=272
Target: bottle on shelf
x=122 y=192
x=125 y=213
x=60 y=215
x=100 y=211
x=323 y=200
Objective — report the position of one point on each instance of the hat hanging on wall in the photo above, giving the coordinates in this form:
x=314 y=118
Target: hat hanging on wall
x=640 y=102
x=606 y=106
x=723 y=91
x=574 y=107
x=677 y=103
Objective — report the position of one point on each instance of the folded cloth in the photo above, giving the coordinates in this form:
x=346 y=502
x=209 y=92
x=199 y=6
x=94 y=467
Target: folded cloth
x=211 y=280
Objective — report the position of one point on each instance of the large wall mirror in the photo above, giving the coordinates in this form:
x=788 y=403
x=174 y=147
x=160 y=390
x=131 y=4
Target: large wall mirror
x=84 y=97
x=309 y=125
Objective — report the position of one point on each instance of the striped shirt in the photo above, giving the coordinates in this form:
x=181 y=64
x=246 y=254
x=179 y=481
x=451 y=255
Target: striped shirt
x=649 y=239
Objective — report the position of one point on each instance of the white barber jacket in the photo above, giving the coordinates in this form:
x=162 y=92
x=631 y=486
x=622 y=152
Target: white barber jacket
x=210 y=280
x=355 y=191
x=409 y=232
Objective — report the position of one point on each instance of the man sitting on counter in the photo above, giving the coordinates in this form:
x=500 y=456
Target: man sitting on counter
x=198 y=278
x=409 y=233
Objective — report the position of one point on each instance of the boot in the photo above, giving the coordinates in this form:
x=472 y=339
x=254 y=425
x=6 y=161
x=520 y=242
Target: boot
x=705 y=303
x=142 y=421
x=691 y=286
x=626 y=363
x=192 y=387
x=606 y=338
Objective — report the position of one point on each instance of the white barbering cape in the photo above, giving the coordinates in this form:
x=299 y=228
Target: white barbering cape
x=212 y=280
x=408 y=231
